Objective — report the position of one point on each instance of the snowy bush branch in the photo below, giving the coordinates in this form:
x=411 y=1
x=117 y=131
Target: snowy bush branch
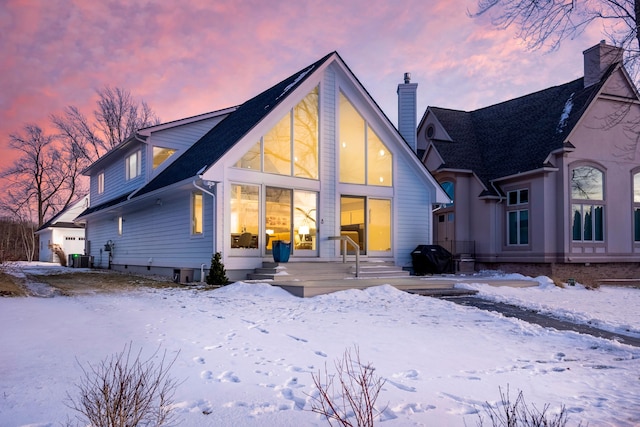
x=125 y=390
x=353 y=404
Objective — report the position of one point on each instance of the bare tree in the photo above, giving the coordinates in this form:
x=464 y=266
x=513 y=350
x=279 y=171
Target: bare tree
x=43 y=179
x=46 y=178
x=548 y=23
x=117 y=116
x=78 y=132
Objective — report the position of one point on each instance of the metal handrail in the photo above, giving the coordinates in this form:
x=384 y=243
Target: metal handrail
x=344 y=240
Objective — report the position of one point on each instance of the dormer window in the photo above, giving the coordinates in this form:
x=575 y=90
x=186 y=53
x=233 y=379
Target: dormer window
x=160 y=154
x=132 y=165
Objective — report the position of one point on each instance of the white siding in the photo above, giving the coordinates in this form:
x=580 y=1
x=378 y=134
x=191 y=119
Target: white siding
x=99 y=232
x=45 y=253
x=115 y=184
x=183 y=136
x=158 y=235
x=412 y=207
x=328 y=198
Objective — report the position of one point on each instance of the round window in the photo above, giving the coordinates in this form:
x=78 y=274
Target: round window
x=430 y=131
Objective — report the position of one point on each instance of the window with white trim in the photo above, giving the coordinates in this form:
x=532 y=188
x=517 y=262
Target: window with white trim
x=518 y=217
x=133 y=165
x=587 y=204
x=364 y=158
x=101 y=182
x=197 y=214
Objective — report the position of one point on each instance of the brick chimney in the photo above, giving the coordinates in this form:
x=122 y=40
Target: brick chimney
x=597 y=59
x=407 y=111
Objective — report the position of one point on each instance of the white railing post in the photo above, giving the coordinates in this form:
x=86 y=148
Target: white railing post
x=343 y=243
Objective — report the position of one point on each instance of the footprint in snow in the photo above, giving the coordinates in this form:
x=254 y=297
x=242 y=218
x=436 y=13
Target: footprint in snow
x=228 y=377
x=401 y=386
x=199 y=360
x=410 y=374
x=298 y=403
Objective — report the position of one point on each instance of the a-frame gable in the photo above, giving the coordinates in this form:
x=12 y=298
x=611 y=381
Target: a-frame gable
x=432 y=128
x=370 y=110
x=268 y=146
x=616 y=85
x=619 y=84
x=217 y=142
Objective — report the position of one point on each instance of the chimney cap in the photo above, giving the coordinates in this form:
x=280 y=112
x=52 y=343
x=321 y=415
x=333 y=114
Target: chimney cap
x=407 y=78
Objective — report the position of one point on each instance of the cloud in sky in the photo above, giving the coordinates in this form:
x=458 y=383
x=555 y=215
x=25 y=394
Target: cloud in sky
x=188 y=57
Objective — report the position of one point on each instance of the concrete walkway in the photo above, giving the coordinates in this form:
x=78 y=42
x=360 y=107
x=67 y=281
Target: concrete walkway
x=546 y=321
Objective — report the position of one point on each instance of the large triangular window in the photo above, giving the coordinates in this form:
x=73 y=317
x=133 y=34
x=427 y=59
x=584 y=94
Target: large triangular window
x=291 y=146
x=364 y=159
x=161 y=154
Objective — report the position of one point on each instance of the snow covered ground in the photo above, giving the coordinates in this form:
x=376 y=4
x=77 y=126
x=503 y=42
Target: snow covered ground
x=247 y=352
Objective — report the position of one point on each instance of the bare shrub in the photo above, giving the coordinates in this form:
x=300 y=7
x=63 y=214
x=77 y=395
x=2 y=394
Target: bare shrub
x=353 y=404
x=519 y=414
x=124 y=390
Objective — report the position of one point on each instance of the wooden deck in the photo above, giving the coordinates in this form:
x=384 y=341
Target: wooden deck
x=308 y=279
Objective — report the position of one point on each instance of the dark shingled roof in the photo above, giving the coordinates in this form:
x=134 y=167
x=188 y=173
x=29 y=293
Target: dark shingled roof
x=214 y=144
x=514 y=136
x=110 y=203
x=52 y=224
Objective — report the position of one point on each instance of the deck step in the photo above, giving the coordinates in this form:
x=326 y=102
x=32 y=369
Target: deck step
x=443 y=292
x=324 y=271
x=381 y=270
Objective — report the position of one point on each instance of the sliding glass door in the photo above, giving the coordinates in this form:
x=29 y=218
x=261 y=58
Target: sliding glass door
x=290 y=216
x=367 y=221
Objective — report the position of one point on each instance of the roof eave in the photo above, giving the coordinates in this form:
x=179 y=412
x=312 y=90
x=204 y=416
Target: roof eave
x=110 y=154
x=543 y=169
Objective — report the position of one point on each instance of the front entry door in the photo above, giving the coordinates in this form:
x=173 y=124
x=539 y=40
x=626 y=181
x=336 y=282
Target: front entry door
x=445 y=221
x=367 y=221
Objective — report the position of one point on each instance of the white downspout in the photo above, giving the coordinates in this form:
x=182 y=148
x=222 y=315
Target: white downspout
x=214 y=199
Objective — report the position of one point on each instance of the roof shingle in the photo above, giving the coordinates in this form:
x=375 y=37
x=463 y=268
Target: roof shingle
x=514 y=136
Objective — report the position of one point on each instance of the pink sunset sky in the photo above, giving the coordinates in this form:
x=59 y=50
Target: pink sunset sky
x=189 y=57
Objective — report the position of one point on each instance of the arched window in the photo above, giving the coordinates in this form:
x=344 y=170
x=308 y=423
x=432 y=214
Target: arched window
x=448 y=188
x=587 y=204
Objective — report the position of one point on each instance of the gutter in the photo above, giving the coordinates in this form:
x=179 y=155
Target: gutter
x=524 y=174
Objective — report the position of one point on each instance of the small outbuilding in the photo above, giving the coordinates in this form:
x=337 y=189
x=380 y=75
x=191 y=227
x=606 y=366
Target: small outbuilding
x=60 y=236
